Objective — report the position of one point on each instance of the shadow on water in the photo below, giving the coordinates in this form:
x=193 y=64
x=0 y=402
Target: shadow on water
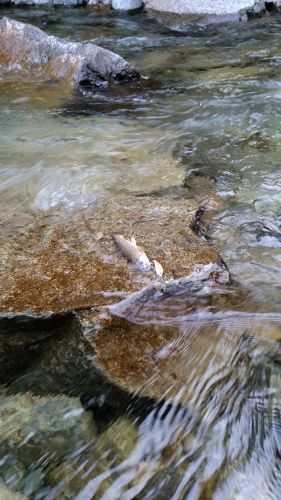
x=120 y=100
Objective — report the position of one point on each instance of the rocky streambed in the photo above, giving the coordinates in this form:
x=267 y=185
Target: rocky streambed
x=117 y=383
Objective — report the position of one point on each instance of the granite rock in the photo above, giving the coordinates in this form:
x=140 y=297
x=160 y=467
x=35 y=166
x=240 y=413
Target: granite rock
x=83 y=63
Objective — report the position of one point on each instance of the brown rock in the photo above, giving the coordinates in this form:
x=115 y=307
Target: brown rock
x=176 y=360
x=155 y=360
x=76 y=264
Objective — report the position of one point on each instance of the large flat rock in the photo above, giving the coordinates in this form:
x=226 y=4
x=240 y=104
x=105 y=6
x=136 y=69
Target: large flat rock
x=74 y=263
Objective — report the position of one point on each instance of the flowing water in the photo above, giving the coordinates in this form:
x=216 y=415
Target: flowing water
x=208 y=119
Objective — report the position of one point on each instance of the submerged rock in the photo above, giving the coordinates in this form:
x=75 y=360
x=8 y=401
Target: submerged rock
x=84 y=63
x=54 y=425
x=76 y=264
x=93 y=472
x=159 y=354
x=66 y=365
x=38 y=433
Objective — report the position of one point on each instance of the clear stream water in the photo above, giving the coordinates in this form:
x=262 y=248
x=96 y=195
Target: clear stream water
x=209 y=119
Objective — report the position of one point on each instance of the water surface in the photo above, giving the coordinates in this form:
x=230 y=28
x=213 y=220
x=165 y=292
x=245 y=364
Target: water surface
x=209 y=119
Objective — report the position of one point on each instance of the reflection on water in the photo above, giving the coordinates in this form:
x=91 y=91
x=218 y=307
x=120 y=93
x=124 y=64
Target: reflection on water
x=208 y=120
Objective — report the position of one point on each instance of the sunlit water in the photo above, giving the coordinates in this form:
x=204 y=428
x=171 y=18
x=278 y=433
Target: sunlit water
x=209 y=119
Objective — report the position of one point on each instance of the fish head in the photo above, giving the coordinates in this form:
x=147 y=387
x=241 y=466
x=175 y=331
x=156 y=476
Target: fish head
x=143 y=264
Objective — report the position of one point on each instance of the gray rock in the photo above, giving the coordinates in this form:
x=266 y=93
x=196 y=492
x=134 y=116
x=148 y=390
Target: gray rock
x=84 y=63
x=220 y=7
x=111 y=449
x=214 y=9
x=126 y=4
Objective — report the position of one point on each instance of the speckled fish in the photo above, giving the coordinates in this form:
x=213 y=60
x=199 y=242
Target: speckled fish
x=134 y=254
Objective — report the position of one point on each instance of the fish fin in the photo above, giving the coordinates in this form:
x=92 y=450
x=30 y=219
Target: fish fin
x=158 y=268
x=133 y=241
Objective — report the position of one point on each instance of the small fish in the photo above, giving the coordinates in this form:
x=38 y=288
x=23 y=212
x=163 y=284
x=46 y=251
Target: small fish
x=134 y=254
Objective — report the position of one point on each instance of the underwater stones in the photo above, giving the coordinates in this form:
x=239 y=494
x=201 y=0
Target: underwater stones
x=150 y=360
x=54 y=425
x=93 y=472
x=75 y=264
x=83 y=63
x=36 y=432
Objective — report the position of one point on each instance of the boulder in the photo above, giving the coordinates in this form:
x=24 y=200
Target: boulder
x=54 y=425
x=83 y=63
x=218 y=7
x=212 y=10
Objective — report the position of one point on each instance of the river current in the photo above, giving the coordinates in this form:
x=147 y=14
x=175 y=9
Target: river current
x=209 y=120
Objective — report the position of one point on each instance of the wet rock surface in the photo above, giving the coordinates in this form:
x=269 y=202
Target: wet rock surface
x=77 y=264
x=84 y=63
x=95 y=472
x=182 y=15
x=143 y=346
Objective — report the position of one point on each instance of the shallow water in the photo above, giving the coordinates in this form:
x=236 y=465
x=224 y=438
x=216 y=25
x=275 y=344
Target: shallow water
x=209 y=119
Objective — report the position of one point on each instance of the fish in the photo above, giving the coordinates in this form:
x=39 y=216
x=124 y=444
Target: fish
x=133 y=252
